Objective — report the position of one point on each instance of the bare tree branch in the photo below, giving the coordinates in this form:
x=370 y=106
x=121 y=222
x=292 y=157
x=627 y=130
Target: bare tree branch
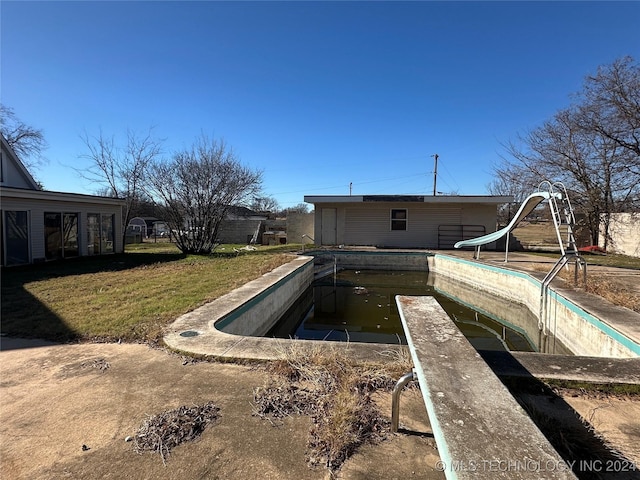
x=121 y=171
x=591 y=146
x=26 y=141
x=265 y=204
x=197 y=187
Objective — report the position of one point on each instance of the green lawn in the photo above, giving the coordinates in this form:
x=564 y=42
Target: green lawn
x=131 y=296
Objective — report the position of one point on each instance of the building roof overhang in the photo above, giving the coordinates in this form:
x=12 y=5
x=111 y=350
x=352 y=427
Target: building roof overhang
x=474 y=199
x=24 y=193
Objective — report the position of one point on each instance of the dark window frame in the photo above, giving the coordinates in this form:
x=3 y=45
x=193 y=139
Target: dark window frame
x=94 y=234
x=61 y=235
x=399 y=219
x=107 y=233
x=16 y=237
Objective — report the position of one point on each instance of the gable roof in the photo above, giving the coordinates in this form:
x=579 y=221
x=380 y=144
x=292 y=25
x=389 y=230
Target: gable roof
x=16 y=183
x=14 y=173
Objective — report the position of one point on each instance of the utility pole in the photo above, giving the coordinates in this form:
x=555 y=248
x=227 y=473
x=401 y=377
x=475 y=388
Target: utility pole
x=435 y=173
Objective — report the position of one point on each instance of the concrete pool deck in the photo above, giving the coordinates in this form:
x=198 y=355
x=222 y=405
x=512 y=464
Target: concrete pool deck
x=233 y=347
x=194 y=333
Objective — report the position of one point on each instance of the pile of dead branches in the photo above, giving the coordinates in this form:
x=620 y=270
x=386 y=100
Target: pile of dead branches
x=279 y=400
x=161 y=433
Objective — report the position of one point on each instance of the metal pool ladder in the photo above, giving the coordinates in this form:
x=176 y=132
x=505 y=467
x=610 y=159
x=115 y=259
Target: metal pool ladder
x=562 y=215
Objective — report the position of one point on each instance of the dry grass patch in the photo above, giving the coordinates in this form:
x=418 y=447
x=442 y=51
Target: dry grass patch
x=336 y=392
x=615 y=292
x=543 y=233
x=599 y=284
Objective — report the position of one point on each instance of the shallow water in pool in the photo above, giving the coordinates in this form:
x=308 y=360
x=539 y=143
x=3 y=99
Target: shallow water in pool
x=360 y=306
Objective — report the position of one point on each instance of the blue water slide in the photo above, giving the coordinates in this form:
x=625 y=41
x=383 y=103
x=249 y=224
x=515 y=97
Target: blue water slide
x=528 y=205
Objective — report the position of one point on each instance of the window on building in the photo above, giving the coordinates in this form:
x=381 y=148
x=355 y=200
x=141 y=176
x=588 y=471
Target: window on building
x=93 y=234
x=70 y=231
x=52 y=236
x=107 y=233
x=15 y=227
x=60 y=235
x=398 y=219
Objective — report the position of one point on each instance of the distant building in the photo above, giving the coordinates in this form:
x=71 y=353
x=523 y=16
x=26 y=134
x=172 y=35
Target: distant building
x=403 y=221
x=624 y=233
x=242 y=225
x=142 y=225
x=38 y=225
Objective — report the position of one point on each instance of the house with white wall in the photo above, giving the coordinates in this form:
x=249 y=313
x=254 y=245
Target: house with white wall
x=38 y=225
x=624 y=233
x=403 y=221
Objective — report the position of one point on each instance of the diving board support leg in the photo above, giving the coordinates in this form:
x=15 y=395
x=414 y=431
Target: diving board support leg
x=506 y=248
x=395 y=398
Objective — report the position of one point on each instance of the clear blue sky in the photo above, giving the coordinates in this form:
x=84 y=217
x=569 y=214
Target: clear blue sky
x=317 y=95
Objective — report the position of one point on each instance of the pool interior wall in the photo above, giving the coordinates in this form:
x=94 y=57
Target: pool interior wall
x=258 y=315
x=513 y=314
x=359 y=305
x=579 y=330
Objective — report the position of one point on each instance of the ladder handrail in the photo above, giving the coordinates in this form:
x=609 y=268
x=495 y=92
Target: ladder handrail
x=572 y=254
x=557 y=220
x=544 y=285
x=570 y=217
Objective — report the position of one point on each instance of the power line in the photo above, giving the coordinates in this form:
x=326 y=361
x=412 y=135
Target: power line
x=356 y=183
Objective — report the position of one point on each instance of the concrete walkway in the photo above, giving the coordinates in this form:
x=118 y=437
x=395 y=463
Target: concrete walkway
x=564 y=367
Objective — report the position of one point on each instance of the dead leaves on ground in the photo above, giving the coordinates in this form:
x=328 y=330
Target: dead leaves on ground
x=163 y=432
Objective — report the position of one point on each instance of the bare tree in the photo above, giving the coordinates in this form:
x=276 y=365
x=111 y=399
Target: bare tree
x=506 y=182
x=26 y=141
x=299 y=208
x=120 y=171
x=265 y=204
x=590 y=146
x=197 y=187
x=610 y=104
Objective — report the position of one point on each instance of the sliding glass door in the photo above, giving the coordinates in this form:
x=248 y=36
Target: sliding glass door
x=60 y=235
x=15 y=227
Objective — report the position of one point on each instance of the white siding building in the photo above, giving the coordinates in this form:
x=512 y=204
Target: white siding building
x=624 y=234
x=38 y=225
x=403 y=221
